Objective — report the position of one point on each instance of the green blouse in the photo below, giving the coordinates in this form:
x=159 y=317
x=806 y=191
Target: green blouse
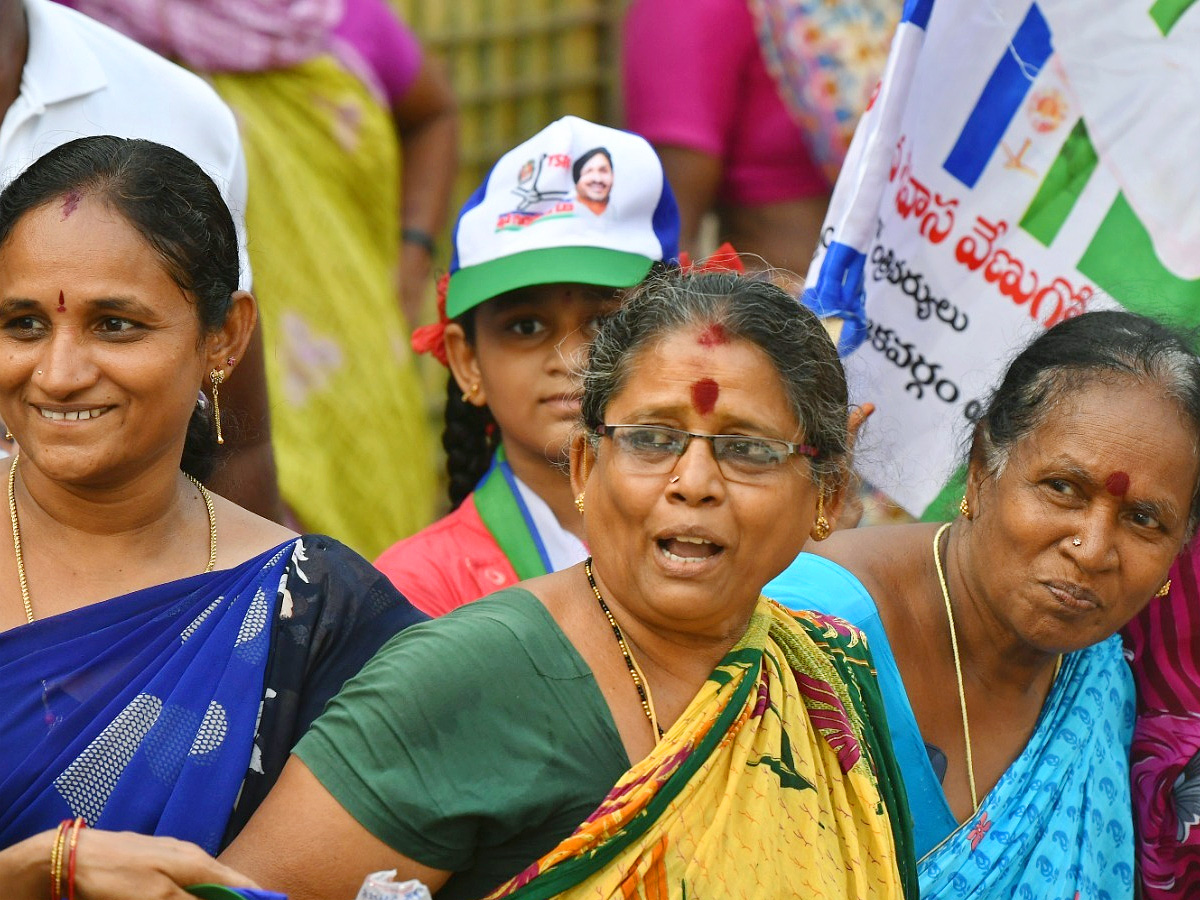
x=474 y=742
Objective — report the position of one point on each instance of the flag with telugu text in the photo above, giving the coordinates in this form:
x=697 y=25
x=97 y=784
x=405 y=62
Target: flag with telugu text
x=1019 y=163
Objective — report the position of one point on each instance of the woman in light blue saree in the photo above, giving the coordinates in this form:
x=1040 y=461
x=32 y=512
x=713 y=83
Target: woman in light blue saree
x=161 y=649
x=1009 y=702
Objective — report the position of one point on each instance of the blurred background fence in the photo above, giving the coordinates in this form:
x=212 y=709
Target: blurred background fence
x=517 y=65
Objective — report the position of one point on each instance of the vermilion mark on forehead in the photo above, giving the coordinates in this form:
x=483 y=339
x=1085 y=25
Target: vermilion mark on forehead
x=70 y=204
x=704 y=395
x=1117 y=484
x=62 y=304
x=713 y=336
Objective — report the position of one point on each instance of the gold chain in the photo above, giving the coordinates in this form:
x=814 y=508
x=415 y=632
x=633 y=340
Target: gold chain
x=635 y=673
x=16 y=532
x=962 y=694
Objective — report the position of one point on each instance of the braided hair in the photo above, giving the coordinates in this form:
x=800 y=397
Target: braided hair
x=470 y=435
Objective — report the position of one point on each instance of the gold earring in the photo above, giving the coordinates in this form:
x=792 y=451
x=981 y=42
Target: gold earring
x=964 y=508
x=7 y=433
x=217 y=376
x=821 y=528
x=1165 y=589
x=579 y=502
x=470 y=392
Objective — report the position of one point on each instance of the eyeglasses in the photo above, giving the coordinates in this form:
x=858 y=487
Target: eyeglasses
x=655 y=449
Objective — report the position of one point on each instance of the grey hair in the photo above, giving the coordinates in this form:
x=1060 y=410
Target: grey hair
x=1076 y=354
x=745 y=308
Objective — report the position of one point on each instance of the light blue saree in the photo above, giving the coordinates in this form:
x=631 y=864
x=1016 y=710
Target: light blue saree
x=1058 y=824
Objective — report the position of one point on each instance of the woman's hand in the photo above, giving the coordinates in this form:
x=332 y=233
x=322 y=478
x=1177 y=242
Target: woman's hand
x=111 y=865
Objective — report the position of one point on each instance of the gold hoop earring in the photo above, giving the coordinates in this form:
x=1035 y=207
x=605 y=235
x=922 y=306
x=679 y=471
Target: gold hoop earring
x=1165 y=589
x=470 y=392
x=579 y=502
x=821 y=528
x=964 y=508
x=217 y=376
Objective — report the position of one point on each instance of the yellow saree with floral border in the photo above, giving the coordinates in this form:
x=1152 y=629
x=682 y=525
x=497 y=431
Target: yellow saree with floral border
x=778 y=780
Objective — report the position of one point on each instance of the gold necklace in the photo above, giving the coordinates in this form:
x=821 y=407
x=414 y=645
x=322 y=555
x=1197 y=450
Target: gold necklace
x=639 y=680
x=962 y=694
x=16 y=531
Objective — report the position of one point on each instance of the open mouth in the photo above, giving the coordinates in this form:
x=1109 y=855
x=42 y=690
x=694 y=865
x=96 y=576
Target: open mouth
x=687 y=549
x=72 y=415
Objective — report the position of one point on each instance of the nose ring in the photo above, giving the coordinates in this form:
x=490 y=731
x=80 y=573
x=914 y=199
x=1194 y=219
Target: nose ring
x=1076 y=542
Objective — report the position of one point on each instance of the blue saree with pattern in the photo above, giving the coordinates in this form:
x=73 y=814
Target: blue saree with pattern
x=1058 y=825
x=1059 y=822
x=139 y=713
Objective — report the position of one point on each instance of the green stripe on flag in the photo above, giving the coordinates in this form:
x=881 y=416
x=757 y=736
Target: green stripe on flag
x=945 y=505
x=1064 y=182
x=1122 y=262
x=1166 y=13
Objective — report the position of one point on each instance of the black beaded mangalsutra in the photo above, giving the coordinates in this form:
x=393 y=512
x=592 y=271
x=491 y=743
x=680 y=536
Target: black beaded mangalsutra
x=639 y=681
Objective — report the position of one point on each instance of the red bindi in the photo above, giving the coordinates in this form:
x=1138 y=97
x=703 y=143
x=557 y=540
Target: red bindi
x=713 y=336
x=62 y=304
x=70 y=204
x=704 y=395
x=1117 y=484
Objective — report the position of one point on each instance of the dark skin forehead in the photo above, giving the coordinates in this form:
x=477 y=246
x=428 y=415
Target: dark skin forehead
x=540 y=293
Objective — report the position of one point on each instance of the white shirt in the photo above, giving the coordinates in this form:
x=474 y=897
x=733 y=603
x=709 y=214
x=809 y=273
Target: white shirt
x=82 y=78
x=562 y=547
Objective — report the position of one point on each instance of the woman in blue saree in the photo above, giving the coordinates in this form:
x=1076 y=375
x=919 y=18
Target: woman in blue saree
x=161 y=649
x=1009 y=702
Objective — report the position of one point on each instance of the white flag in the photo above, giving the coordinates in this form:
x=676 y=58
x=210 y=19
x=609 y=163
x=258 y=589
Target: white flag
x=1020 y=163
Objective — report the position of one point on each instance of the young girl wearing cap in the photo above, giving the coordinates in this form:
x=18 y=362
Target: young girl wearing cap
x=533 y=270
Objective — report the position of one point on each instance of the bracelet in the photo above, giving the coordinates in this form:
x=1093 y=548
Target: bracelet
x=421 y=238
x=79 y=825
x=56 y=860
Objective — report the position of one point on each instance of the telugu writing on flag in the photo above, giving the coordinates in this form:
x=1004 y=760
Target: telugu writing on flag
x=1020 y=163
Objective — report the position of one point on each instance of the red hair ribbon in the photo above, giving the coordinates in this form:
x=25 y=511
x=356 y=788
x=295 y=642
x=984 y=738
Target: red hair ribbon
x=432 y=338
x=723 y=259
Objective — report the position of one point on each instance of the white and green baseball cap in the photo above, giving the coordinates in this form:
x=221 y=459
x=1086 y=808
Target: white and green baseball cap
x=577 y=202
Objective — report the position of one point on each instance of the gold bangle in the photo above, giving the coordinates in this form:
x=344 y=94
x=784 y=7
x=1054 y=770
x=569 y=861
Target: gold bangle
x=56 y=860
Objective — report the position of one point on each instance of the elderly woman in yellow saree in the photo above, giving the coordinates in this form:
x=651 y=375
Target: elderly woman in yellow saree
x=644 y=723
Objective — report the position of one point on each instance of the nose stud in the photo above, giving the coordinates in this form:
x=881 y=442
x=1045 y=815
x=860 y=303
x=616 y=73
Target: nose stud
x=674 y=479
x=1076 y=542
x=39 y=371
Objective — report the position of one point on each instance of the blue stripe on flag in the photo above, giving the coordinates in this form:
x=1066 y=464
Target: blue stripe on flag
x=1001 y=98
x=839 y=293
x=917 y=12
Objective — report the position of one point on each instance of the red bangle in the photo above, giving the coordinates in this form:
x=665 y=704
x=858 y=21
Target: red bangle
x=79 y=826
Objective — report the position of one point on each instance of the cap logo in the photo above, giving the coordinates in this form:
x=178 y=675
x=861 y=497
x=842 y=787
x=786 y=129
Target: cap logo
x=530 y=188
x=553 y=185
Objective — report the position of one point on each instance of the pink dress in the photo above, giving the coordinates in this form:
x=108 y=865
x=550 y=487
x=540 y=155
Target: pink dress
x=693 y=76
x=1163 y=645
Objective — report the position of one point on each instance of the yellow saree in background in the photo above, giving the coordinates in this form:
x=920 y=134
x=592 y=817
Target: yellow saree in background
x=348 y=420
x=777 y=781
